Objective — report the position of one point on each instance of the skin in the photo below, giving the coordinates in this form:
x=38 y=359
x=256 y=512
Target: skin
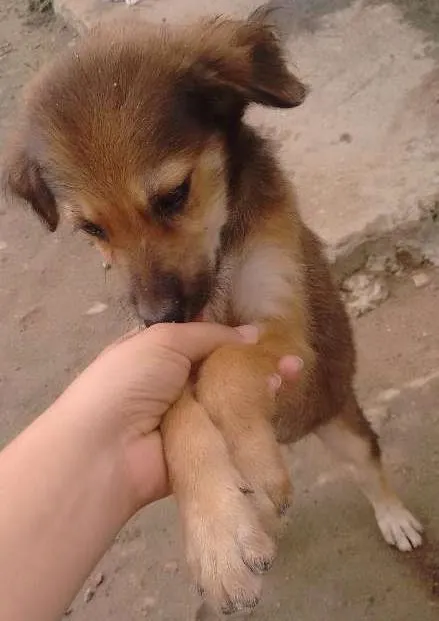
x=81 y=470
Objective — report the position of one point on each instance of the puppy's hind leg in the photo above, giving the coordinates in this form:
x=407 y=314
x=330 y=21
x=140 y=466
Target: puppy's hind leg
x=350 y=437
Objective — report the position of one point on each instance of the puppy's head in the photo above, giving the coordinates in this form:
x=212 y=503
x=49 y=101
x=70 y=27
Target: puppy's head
x=129 y=134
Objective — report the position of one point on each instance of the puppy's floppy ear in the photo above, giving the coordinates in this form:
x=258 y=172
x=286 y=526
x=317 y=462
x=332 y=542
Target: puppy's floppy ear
x=242 y=62
x=22 y=177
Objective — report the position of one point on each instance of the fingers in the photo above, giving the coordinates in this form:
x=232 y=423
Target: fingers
x=195 y=340
x=289 y=368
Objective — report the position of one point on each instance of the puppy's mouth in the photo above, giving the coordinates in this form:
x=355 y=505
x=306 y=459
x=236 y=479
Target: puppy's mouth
x=174 y=306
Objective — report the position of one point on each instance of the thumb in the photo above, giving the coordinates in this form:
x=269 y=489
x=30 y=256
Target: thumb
x=195 y=340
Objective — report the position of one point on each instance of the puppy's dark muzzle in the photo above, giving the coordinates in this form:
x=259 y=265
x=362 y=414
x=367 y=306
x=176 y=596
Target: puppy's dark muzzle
x=167 y=302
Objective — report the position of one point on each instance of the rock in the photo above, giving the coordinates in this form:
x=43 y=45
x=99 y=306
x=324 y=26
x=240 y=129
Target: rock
x=431 y=252
x=68 y=611
x=95 y=583
x=420 y=279
x=98 y=579
x=377 y=264
x=346 y=137
x=97 y=308
x=383 y=263
x=409 y=256
x=377 y=416
x=40 y=6
x=89 y=593
x=363 y=293
x=3 y=245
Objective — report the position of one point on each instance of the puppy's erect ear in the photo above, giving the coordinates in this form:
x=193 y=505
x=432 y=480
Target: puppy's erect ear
x=22 y=177
x=242 y=62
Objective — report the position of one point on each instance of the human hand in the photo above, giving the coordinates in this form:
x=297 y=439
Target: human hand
x=124 y=393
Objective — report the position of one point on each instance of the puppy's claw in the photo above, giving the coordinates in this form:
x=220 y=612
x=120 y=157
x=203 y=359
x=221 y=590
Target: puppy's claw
x=399 y=528
x=239 y=603
x=261 y=565
x=283 y=507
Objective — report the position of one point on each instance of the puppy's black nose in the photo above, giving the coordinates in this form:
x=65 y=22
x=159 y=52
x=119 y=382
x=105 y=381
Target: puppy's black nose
x=176 y=315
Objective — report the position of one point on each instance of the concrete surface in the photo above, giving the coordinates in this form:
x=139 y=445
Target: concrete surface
x=333 y=565
x=363 y=150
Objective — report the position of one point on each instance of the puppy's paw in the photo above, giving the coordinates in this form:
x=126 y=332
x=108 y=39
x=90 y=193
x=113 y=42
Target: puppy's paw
x=259 y=461
x=398 y=526
x=228 y=550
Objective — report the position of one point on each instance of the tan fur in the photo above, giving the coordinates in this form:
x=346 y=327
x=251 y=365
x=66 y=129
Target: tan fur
x=111 y=133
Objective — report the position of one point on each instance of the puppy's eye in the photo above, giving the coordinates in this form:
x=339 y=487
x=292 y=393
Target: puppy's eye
x=171 y=203
x=93 y=229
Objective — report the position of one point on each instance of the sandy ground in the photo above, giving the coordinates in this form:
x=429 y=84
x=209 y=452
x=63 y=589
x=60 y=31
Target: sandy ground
x=332 y=564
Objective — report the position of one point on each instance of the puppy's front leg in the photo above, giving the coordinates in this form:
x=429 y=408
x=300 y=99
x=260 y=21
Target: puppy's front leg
x=233 y=388
x=226 y=545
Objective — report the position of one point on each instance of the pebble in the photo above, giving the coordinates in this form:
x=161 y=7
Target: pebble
x=171 y=567
x=363 y=293
x=377 y=416
x=409 y=256
x=377 y=264
x=96 y=582
x=97 y=308
x=89 y=593
x=98 y=579
x=420 y=279
x=3 y=245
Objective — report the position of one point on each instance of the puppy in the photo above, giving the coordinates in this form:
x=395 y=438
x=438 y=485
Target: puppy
x=137 y=135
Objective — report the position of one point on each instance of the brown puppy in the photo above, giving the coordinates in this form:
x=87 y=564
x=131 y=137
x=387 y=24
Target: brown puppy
x=138 y=136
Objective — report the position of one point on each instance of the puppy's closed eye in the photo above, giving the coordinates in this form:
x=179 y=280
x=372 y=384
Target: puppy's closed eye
x=170 y=204
x=92 y=229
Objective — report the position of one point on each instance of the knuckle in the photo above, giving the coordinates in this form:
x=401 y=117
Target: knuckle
x=162 y=333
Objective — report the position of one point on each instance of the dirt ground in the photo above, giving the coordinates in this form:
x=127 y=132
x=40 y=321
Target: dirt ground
x=58 y=311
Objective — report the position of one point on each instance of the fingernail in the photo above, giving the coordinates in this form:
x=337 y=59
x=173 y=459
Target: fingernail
x=290 y=365
x=250 y=334
x=274 y=382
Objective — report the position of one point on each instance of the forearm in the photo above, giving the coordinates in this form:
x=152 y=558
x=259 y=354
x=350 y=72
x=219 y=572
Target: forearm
x=63 y=498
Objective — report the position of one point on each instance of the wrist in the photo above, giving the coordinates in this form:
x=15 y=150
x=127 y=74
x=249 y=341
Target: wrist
x=100 y=443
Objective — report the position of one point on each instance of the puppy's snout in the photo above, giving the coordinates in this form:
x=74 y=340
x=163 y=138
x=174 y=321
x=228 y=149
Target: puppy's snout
x=168 y=298
x=175 y=315
x=162 y=302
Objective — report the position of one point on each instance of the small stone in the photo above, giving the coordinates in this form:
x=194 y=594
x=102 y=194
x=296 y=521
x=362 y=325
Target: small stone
x=420 y=279
x=377 y=264
x=171 y=567
x=89 y=593
x=346 y=137
x=97 y=308
x=3 y=245
x=363 y=293
x=68 y=611
x=98 y=579
x=377 y=416
x=409 y=256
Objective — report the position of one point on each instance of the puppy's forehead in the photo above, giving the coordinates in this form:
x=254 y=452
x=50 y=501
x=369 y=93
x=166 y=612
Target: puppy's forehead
x=114 y=102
